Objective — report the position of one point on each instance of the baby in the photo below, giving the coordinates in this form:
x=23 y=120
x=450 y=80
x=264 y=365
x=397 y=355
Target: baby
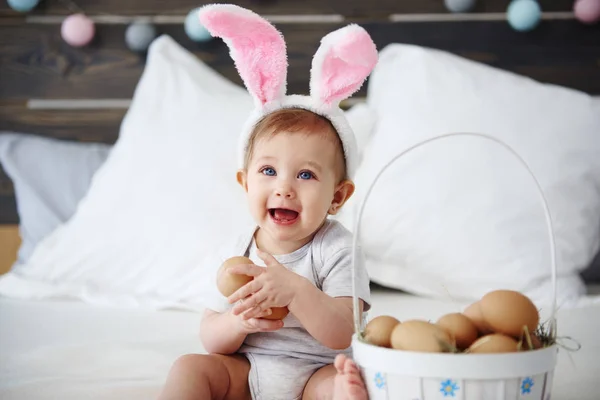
x=294 y=176
x=297 y=156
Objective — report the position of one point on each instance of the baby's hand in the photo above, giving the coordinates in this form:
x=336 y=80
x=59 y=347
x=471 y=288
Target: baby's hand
x=258 y=324
x=273 y=286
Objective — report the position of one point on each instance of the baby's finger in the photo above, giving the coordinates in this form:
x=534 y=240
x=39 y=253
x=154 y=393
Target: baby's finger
x=255 y=312
x=248 y=303
x=265 y=313
x=267 y=325
x=267 y=258
x=245 y=291
x=246 y=269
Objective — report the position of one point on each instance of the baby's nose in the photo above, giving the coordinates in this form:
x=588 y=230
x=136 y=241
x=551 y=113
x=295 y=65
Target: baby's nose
x=285 y=191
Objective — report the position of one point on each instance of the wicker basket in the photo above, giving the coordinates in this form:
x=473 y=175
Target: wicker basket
x=407 y=375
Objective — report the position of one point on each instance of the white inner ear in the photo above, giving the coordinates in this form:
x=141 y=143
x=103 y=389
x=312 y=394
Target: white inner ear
x=316 y=71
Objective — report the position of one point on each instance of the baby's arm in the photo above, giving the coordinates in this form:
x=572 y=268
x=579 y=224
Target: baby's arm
x=327 y=312
x=220 y=333
x=327 y=319
x=327 y=315
x=224 y=333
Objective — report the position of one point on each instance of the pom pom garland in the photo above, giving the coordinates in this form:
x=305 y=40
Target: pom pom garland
x=23 y=5
x=459 y=6
x=139 y=35
x=587 y=11
x=194 y=29
x=77 y=30
x=524 y=15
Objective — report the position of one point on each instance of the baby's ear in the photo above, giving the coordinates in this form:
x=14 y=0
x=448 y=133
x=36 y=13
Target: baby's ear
x=242 y=179
x=343 y=61
x=343 y=192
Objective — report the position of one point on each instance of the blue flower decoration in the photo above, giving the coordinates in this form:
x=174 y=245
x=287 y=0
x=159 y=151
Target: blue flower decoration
x=379 y=380
x=526 y=385
x=449 y=388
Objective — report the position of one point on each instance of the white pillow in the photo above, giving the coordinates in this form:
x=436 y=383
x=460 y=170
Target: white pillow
x=50 y=177
x=166 y=198
x=461 y=216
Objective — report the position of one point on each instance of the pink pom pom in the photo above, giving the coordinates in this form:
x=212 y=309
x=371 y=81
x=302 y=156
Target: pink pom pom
x=77 y=30
x=587 y=11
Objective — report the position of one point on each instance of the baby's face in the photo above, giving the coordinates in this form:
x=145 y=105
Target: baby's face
x=291 y=181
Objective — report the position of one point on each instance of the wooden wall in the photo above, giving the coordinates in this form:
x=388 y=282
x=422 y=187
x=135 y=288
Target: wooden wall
x=35 y=63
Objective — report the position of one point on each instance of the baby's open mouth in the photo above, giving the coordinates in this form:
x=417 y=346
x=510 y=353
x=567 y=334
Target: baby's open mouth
x=283 y=215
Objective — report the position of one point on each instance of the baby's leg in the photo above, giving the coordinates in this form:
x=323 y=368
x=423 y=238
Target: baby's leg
x=340 y=381
x=214 y=376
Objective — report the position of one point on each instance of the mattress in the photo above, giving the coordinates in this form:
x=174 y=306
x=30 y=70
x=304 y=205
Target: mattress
x=66 y=350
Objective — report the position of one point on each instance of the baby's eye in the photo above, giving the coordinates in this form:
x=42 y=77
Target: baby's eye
x=305 y=175
x=268 y=171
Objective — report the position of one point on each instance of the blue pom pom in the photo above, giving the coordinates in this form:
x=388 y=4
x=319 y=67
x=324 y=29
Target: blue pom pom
x=459 y=6
x=139 y=35
x=194 y=29
x=23 y=5
x=524 y=15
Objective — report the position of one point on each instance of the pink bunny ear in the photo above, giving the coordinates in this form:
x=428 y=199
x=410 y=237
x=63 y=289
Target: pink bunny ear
x=256 y=47
x=343 y=61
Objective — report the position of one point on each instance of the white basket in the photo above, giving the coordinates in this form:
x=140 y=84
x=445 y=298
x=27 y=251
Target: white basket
x=408 y=375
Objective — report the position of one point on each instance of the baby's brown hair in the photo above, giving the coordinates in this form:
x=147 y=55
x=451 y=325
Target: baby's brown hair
x=297 y=120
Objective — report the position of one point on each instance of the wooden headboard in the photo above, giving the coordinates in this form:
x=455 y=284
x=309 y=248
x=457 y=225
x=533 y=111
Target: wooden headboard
x=40 y=75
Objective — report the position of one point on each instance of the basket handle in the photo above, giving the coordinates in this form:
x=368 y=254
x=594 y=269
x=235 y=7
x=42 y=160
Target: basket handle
x=357 y=312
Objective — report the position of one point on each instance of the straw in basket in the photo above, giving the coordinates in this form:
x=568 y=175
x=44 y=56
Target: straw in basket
x=410 y=375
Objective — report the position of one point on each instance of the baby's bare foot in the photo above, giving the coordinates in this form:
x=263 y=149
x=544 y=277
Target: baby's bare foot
x=348 y=383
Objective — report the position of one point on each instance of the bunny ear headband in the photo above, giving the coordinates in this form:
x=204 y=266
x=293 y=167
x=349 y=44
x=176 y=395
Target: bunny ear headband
x=341 y=64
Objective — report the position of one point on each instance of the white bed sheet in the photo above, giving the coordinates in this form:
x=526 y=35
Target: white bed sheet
x=71 y=350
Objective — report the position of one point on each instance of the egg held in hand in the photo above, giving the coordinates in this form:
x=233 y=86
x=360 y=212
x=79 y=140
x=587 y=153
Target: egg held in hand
x=229 y=283
x=278 y=313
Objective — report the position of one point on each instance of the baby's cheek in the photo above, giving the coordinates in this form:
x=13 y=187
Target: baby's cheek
x=324 y=206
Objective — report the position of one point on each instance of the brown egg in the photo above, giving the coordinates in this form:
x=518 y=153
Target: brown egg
x=460 y=327
x=229 y=283
x=508 y=312
x=417 y=335
x=494 y=343
x=473 y=312
x=278 y=313
x=536 y=343
x=379 y=330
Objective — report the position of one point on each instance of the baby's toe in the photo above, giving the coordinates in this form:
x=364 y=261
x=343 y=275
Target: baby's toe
x=340 y=363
